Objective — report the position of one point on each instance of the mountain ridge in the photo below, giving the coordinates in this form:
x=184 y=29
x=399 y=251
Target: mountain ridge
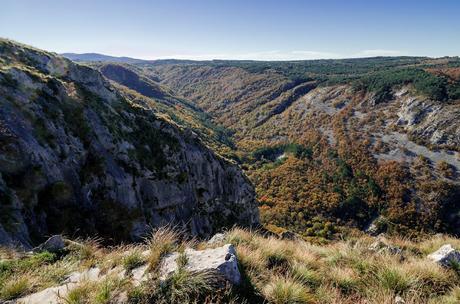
x=89 y=57
x=100 y=57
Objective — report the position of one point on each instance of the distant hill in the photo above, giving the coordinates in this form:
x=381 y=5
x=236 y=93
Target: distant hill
x=102 y=57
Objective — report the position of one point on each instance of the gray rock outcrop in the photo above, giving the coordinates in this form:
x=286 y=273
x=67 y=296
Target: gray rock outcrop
x=431 y=120
x=445 y=256
x=377 y=226
x=217 y=239
x=53 y=244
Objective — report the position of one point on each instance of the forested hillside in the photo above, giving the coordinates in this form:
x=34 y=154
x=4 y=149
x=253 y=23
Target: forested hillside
x=331 y=144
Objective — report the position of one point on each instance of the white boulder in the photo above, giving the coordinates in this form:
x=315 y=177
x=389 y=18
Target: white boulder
x=222 y=259
x=445 y=256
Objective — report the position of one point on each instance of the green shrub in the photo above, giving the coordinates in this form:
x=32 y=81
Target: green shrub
x=75 y=118
x=8 y=80
x=43 y=134
x=133 y=260
x=394 y=280
x=272 y=152
x=60 y=191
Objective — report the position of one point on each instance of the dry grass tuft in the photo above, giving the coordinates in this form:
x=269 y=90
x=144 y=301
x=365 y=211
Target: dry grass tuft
x=162 y=242
x=132 y=259
x=14 y=288
x=286 y=290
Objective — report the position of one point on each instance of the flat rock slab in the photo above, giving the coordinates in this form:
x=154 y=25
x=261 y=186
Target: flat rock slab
x=57 y=294
x=50 y=295
x=222 y=259
x=139 y=275
x=445 y=256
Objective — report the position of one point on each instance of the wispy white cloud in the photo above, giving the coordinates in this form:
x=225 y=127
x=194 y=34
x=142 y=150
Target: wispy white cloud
x=373 y=53
x=283 y=55
x=268 y=55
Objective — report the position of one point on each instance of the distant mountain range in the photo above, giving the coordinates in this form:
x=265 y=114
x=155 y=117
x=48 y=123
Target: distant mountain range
x=96 y=57
x=102 y=58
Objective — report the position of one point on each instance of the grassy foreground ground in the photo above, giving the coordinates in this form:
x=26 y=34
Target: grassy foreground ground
x=273 y=270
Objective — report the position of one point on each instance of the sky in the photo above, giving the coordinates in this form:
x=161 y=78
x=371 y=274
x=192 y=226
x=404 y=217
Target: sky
x=236 y=29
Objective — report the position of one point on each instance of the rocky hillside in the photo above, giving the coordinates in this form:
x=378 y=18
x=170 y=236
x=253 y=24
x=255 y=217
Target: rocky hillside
x=164 y=101
x=82 y=157
x=226 y=89
x=329 y=144
x=336 y=143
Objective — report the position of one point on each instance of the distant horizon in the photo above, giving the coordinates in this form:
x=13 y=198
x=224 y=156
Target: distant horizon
x=232 y=59
x=263 y=56
x=357 y=56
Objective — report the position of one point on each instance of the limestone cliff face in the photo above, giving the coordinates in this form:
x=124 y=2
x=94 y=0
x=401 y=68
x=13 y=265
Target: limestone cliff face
x=77 y=157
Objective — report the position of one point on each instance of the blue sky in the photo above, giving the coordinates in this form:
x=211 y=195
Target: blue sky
x=236 y=29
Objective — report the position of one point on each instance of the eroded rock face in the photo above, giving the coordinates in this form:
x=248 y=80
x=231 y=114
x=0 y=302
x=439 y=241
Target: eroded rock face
x=445 y=256
x=77 y=156
x=430 y=120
